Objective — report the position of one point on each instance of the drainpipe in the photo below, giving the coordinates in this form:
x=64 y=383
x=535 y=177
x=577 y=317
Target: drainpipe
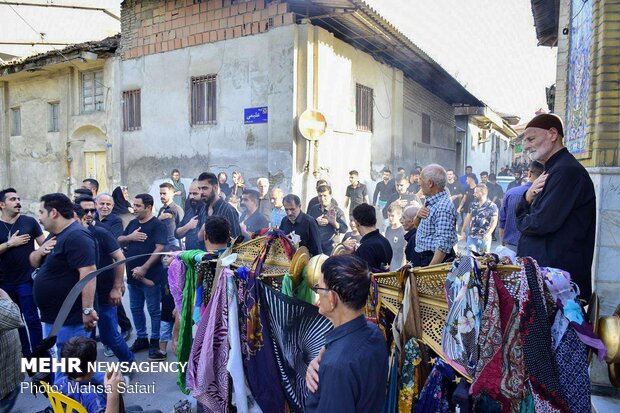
x=5 y=133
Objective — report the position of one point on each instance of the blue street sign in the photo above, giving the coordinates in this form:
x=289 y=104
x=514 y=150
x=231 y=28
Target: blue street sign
x=255 y=115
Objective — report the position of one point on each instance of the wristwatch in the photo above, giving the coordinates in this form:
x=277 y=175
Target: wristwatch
x=87 y=310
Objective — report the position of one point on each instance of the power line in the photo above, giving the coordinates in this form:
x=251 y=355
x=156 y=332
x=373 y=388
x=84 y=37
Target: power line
x=44 y=42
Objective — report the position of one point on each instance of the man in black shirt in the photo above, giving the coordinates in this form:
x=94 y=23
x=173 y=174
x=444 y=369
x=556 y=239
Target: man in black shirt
x=329 y=218
x=110 y=283
x=356 y=192
x=414 y=182
x=252 y=220
x=517 y=181
x=112 y=222
x=105 y=216
x=302 y=228
x=373 y=248
x=315 y=201
x=188 y=227
x=455 y=188
x=350 y=373
x=145 y=235
x=384 y=190
x=68 y=255
x=557 y=214
x=17 y=235
x=208 y=186
x=468 y=196
x=170 y=214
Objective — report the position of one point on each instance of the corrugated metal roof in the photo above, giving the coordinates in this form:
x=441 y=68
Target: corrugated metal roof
x=546 y=19
x=358 y=24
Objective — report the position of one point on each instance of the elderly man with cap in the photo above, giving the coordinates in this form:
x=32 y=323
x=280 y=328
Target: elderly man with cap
x=557 y=214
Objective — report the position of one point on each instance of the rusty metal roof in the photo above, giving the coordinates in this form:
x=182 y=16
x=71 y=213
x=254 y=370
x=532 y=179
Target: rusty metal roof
x=356 y=23
x=546 y=19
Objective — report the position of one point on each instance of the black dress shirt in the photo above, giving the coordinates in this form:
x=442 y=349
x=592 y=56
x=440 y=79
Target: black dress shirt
x=558 y=228
x=351 y=381
x=376 y=250
x=221 y=208
x=255 y=222
x=328 y=232
x=308 y=230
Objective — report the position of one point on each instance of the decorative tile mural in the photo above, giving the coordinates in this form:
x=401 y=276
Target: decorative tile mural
x=578 y=86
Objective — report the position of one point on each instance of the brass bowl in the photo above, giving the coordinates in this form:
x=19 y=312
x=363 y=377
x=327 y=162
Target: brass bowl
x=313 y=270
x=609 y=332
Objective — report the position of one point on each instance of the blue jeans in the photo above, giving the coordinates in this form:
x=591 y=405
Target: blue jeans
x=138 y=295
x=108 y=331
x=21 y=294
x=166 y=331
x=478 y=245
x=6 y=404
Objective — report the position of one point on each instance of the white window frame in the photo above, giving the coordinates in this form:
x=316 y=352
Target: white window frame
x=98 y=99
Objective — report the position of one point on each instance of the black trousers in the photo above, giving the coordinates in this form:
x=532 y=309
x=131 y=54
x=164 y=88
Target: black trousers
x=427 y=256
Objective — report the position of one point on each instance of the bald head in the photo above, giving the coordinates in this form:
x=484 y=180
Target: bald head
x=409 y=214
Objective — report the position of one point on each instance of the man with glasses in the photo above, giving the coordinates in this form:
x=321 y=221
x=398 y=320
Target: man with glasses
x=110 y=283
x=347 y=380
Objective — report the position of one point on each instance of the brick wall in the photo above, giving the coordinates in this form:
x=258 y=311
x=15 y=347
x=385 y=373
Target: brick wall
x=150 y=27
x=604 y=100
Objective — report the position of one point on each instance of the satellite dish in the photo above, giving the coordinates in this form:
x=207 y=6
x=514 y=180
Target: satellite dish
x=312 y=124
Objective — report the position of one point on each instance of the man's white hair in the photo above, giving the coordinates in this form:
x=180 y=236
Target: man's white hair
x=265 y=180
x=435 y=173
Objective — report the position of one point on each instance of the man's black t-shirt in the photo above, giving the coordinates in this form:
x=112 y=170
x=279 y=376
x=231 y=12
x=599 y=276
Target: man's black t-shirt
x=469 y=193
x=75 y=248
x=171 y=223
x=455 y=188
x=156 y=233
x=112 y=223
x=14 y=264
x=106 y=246
x=255 y=222
x=356 y=195
x=191 y=236
x=376 y=250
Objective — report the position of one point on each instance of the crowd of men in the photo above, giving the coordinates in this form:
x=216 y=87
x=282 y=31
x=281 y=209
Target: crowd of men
x=424 y=215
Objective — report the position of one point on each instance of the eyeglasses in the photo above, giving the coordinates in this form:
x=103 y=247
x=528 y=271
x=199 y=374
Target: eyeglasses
x=316 y=288
x=89 y=210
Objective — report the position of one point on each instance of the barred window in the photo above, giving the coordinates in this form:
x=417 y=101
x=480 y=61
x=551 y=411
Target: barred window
x=54 y=109
x=132 y=116
x=363 y=107
x=92 y=91
x=16 y=121
x=204 y=100
x=426 y=128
